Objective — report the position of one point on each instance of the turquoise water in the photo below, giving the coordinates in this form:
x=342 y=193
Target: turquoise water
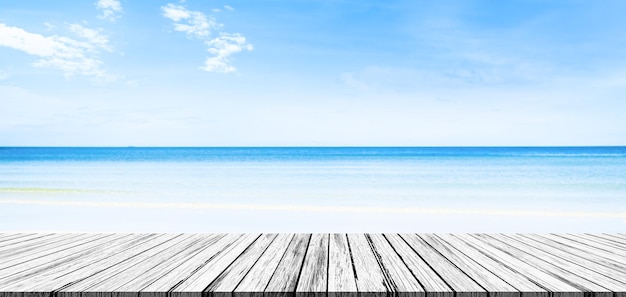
x=314 y=189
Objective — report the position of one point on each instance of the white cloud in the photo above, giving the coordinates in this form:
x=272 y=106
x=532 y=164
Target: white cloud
x=198 y=25
x=216 y=10
x=4 y=75
x=193 y=23
x=59 y=52
x=229 y=8
x=111 y=9
x=222 y=47
x=93 y=36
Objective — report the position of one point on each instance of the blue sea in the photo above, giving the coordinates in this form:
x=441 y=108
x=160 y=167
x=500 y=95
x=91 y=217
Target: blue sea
x=317 y=189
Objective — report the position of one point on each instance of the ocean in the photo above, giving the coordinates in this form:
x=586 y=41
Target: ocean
x=313 y=189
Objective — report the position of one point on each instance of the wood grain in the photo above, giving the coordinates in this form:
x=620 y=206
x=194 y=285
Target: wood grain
x=458 y=280
x=255 y=282
x=401 y=280
x=285 y=277
x=341 y=278
x=312 y=265
x=370 y=279
x=313 y=281
x=484 y=277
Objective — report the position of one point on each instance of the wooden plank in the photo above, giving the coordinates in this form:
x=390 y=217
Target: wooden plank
x=285 y=277
x=614 y=258
x=313 y=279
x=370 y=279
x=228 y=280
x=53 y=262
x=5 y=235
x=598 y=241
x=119 y=274
x=19 y=239
x=580 y=266
x=580 y=253
x=616 y=236
x=516 y=279
x=341 y=279
x=566 y=272
x=49 y=250
x=115 y=265
x=493 y=284
x=24 y=250
x=462 y=284
x=257 y=279
x=593 y=263
x=540 y=277
x=76 y=265
x=207 y=265
x=593 y=244
x=401 y=280
x=429 y=279
x=12 y=236
x=608 y=237
x=26 y=243
x=178 y=275
x=167 y=266
x=202 y=278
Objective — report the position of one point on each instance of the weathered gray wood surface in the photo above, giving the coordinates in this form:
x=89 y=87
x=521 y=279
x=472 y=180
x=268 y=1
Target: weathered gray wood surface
x=312 y=265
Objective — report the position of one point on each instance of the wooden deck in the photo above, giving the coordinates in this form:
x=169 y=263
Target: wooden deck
x=312 y=265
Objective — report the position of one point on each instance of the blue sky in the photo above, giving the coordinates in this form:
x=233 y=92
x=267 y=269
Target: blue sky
x=309 y=73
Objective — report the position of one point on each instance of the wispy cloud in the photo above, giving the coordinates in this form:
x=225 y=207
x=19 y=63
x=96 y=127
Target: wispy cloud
x=197 y=25
x=111 y=9
x=93 y=36
x=71 y=56
x=222 y=47
x=229 y=8
x=193 y=23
